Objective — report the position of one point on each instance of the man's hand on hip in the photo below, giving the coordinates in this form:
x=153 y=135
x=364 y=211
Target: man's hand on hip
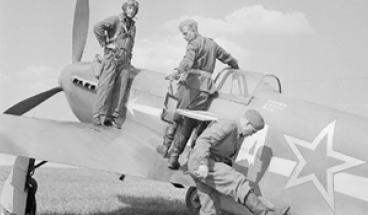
x=110 y=46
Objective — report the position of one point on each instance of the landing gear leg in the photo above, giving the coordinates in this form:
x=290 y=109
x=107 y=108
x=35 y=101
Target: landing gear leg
x=14 y=198
x=31 y=206
x=31 y=187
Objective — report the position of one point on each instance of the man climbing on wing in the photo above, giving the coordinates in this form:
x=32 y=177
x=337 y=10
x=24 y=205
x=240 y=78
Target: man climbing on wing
x=196 y=88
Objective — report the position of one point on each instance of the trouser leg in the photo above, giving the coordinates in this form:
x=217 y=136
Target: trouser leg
x=121 y=96
x=182 y=136
x=228 y=181
x=209 y=199
x=183 y=96
x=257 y=207
x=105 y=87
x=197 y=101
x=168 y=138
x=222 y=178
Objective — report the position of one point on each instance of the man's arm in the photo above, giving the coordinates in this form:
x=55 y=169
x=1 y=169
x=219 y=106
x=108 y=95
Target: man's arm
x=134 y=31
x=185 y=64
x=226 y=58
x=104 y=26
x=188 y=59
x=213 y=135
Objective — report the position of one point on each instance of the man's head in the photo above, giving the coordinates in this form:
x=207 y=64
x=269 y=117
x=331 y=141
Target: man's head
x=251 y=122
x=130 y=8
x=189 y=29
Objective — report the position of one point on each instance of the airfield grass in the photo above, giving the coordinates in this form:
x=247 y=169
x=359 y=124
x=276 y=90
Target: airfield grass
x=68 y=191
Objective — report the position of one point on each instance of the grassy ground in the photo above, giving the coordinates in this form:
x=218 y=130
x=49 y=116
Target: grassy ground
x=80 y=191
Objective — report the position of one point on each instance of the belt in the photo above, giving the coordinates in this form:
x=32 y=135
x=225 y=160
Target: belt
x=118 y=49
x=203 y=73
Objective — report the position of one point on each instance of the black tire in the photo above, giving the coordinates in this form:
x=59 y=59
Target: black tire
x=31 y=206
x=192 y=200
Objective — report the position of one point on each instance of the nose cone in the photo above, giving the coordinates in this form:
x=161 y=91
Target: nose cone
x=76 y=70
x=78 y=83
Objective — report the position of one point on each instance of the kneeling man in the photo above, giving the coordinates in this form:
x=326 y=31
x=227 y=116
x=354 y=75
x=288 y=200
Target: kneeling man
x=210 y=165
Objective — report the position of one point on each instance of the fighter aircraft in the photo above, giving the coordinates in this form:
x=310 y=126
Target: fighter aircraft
x=308 y=156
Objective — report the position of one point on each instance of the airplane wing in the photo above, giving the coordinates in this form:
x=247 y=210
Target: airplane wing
x=199 y=115
x=85 y=145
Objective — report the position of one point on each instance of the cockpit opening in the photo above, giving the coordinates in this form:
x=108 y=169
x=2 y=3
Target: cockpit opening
x=241 y=83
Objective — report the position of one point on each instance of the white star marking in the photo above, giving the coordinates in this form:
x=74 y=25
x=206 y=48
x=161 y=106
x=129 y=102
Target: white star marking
x=250 y=146
x=348 y=162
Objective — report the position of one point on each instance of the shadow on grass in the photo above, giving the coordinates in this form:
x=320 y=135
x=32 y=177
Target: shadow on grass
x=140 y=206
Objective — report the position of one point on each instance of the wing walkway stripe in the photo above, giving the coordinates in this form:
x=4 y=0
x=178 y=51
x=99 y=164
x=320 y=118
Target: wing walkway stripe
x=348 y=184
x=147 y=109
x=352 y=185
x=281 y=166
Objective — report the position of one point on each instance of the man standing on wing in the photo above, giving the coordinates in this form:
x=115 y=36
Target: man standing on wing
x=116 y=35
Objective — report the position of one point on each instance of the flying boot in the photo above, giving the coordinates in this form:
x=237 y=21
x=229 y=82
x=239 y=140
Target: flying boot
x=177 y=148
x=255 y=206
x=168 y=138
x=173 y=161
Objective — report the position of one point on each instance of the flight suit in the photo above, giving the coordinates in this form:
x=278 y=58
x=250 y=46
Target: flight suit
x=114 y=85
x=197 y=88
x=217 y=147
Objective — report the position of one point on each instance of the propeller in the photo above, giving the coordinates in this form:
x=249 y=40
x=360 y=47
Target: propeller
x=80 y=29
x=27 y=104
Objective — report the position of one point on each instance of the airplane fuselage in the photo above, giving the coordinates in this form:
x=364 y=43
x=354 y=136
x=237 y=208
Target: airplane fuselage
x=307 y=155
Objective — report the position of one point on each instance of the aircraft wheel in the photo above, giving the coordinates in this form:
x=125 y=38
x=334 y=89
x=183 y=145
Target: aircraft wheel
x=192 y=199
x=31 y=206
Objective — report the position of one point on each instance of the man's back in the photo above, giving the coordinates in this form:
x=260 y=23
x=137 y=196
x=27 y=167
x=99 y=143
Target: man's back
x=201 y=55
x=205 y=57
x=220 y=141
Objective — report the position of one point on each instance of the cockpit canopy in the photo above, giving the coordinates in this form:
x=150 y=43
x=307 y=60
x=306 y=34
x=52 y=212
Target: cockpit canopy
x=241 y=83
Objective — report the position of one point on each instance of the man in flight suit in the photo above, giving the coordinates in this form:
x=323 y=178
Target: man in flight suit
x=116 y=35
x=196 y=87
x=210 y=165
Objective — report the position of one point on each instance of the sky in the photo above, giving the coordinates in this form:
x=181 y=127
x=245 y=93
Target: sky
x=318 y=48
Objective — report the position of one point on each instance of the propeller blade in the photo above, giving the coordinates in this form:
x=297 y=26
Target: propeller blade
x=80 y=29
x=27 y=104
